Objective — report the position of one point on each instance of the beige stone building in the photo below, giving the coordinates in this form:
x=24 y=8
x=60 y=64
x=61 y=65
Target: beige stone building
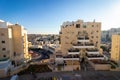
x=80 y=41
x=73 y=33
x=115 y=51
x=13 y=45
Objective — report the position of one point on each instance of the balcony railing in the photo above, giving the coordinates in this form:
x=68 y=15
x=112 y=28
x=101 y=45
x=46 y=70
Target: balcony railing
x=73 y=50
x=71 y=56
x=4 y=59
x=99 y=61
x=93 y=55
x=86 y=44
x=78 y=44
x=92 y=50
x=59 y=56
x=89 y=44
x=83 y=38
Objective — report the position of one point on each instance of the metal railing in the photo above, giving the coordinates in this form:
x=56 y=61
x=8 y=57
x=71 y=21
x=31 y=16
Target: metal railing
x=73 y=50
x=4 y=59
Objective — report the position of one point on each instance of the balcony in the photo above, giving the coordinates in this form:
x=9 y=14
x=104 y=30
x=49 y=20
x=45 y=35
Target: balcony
x=83 y=39
x=5 y=63
x=95 y=56
x=71 y=57
x=92 y=51
x=4 y=60
x=100 y=64
x=86 y=45
x=59 y=56
x=99 y=61
x=73 y=51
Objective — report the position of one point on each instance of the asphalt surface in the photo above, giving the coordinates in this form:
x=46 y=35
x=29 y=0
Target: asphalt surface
x=75 y=75
x=44 y=53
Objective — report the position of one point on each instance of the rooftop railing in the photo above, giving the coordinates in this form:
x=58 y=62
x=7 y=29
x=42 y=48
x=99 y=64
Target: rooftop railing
x=78 y=44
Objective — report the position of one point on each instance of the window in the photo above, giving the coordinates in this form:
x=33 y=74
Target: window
x=97 y=31
x=92 y=25
x=72 y=32
x=96 y=43
x=3 y=49
x=14 y=53
x=91 y=40
x=66 y=37
x=92 y=36
x=97 y=25
x=92 y=32
x=2 y=34
x=3 y=41
x=84 y=26
x=66 y=42
x=60 y=32
x=4 y=55
x=77 y=25
x=66 y=25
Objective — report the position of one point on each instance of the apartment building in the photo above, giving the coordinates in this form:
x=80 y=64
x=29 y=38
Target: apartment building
x=13 y=45
x=106 y=35
x=80 y=42
x=72 y=32
x=115 y=50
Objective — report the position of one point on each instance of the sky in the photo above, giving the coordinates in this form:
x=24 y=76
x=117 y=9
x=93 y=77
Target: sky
x=46 y=16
